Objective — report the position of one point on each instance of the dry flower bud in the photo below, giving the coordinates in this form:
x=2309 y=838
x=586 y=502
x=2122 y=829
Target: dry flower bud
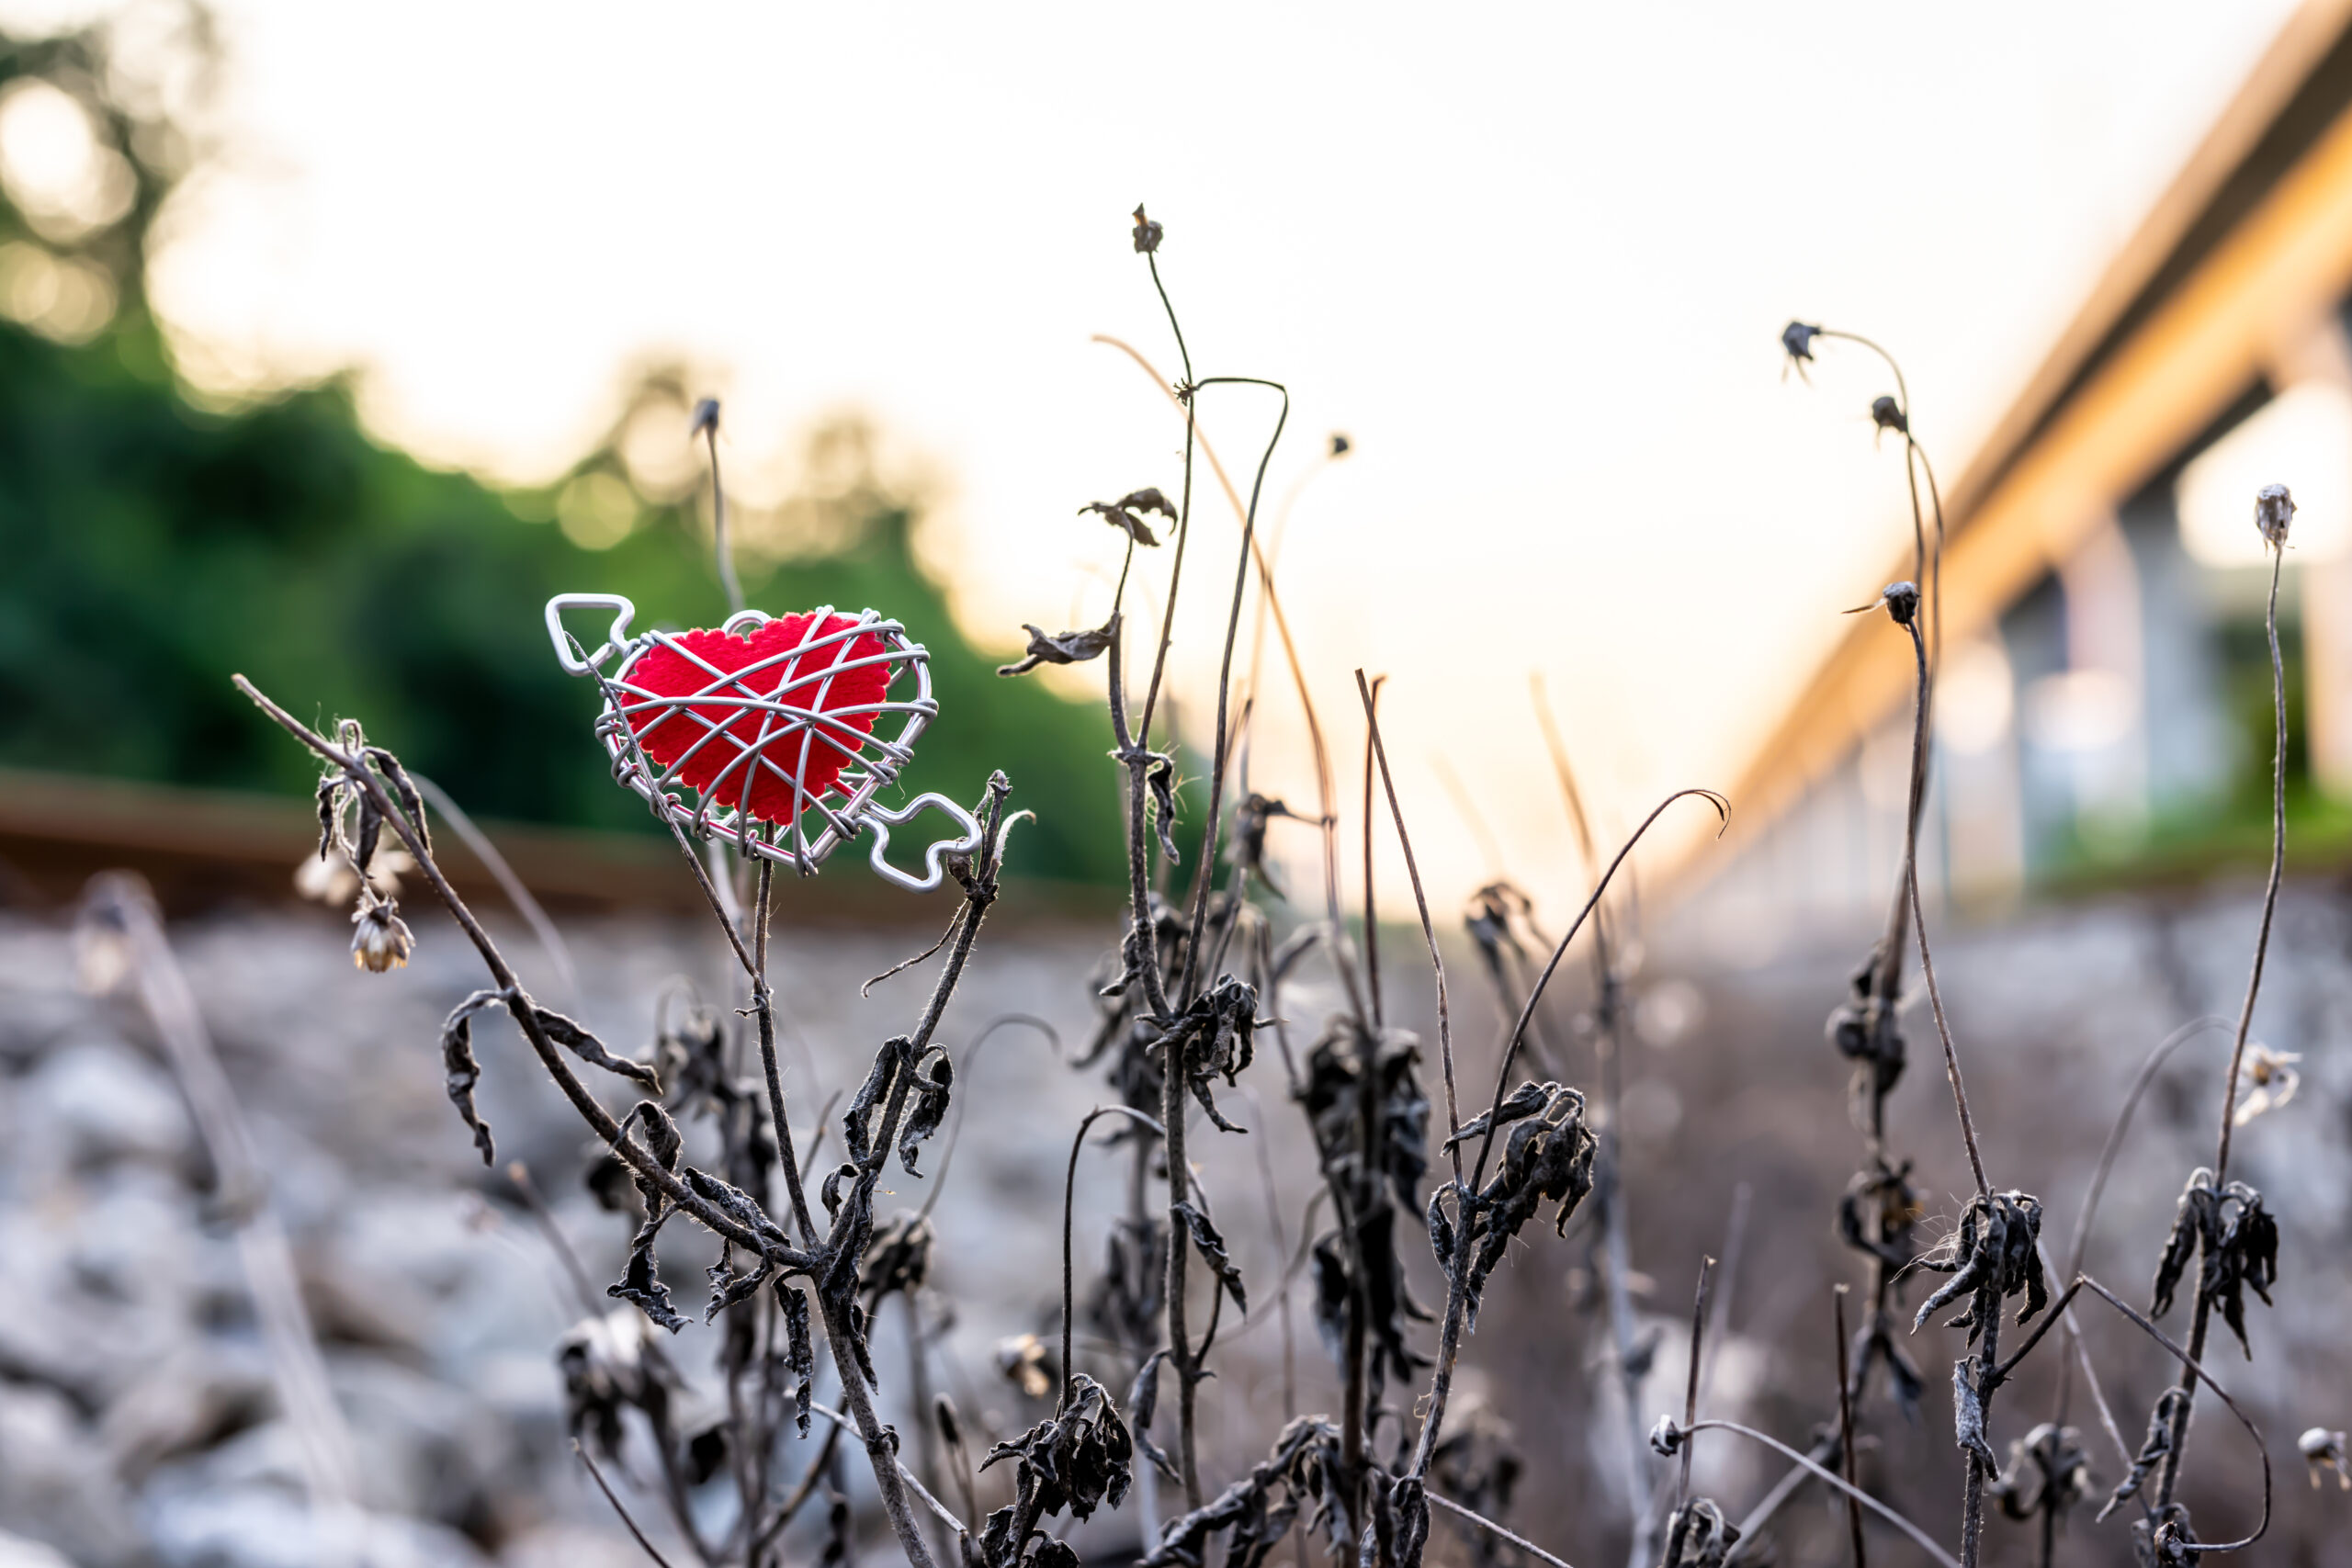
x=2325 y=1451
x=1902 y=601
x=380 y=939
x=1887 y=414
x=2274 y=509
x=1665 y=1438
x=705 y=417
x=1148 y=233
x=1796 y=339
x=2268 y=1081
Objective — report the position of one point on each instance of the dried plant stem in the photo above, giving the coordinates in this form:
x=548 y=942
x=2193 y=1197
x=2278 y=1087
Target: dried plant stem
x=1324 y=786
x=720 y=548
x=1179 y=1352
x=1204 y=873
x=880 y=1443
x=610 y=1497
x=550 y=939
x=1069 y=1199
x=518 y=1003
x=1616 y=1221
x=1484 y=1523
x=1535 y=996
x=1691 y=1385
x=2098 y=1189
x=1845 y=1427
x=1371 y=909
x=1927 y=1542
x=289 y=1338
x=1971 y=1521
x=1926 y=960
x=2191 y=1365
x=2201 y=1320
x=1421 y=905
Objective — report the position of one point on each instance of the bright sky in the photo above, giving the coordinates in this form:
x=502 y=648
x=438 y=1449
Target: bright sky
x=1533 y=259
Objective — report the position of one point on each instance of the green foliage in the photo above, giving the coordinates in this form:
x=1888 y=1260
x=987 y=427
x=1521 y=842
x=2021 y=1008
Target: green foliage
x=153 y=549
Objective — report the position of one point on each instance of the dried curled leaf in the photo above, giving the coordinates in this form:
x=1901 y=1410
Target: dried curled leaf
x=1211 y=1246
x=897 y=1257
x=575 y=1038
x=1126 y=514
x=2047 y=1471
x=1698 y=1536
x=928 y=1083
x=640 y=1280
x=2152 y=1449
x=1258 y=1510
x=1069 y=647
x=1213 y=1038
x=1879 y=1210
x=1142 y=1404
x=2165 y=1540
x=1159 y=777
x=800 y=1351
x=1968 y=1412
x=1867 y=1031
x=1080 y=1460
x=2235 y=1240
x=727 y=1286
x=1249 y=846
x=464 y=1071
x=1991 y=1254
x=1547 y=1157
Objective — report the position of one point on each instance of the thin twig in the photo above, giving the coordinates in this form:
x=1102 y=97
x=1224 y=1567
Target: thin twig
x=1484 y=1523
x=558 y=1243
x=2202 y=1319
x=1535 y=996
x=1691 y=1385
x=1069 y=1199
x=1846 y=1425
x=1421 y=904
x=610 y=1497
x=550 y=939
x=1872 y=1504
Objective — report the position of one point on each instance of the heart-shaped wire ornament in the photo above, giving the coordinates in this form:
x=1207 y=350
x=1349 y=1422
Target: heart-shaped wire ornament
x=749 y=741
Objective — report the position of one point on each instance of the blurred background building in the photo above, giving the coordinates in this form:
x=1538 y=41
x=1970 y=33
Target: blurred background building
x=2105 y=707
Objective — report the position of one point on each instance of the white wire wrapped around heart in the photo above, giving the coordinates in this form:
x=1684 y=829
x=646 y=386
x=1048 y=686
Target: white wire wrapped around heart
x=800 y=735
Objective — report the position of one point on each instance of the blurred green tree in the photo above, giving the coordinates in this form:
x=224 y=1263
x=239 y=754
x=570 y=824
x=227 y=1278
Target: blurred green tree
x=149 y=547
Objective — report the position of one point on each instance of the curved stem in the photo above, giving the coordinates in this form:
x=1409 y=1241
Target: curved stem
x=2190 y=1367
x=719 y=545
x=1484 y=1523
x=2107 y=1153
x=1324 y=785
x=2277 y=868
x=1204 y=873
x=971 y=1060
x=1070 y=1196
x=2201 y=1321
x=1927 y=961
x=1518 y=1029
x=550 y=939
x=1926 y=1541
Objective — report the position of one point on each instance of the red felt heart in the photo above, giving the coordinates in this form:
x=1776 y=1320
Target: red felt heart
x=811 y=745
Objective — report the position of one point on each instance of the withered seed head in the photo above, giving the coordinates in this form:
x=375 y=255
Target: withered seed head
x=380 y=939
x=2274 y=509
